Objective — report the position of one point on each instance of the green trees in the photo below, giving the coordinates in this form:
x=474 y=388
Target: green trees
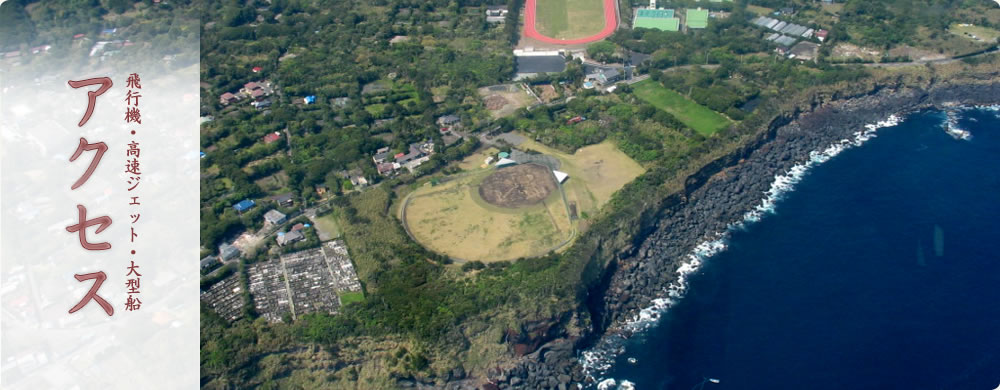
x=603 y=51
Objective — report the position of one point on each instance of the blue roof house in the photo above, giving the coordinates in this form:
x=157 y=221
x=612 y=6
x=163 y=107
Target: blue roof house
x=310 y=99
x=244 y=205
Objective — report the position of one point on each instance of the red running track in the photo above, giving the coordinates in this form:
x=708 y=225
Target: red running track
x=610 y=23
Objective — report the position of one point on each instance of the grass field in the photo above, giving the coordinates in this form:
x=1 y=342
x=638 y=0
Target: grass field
x=451 y=218
x=698 y=117
x=759 y=10
x=975 y=33
x=347 y=297
x=327 y=227
x=476 y=160
x=568 y=19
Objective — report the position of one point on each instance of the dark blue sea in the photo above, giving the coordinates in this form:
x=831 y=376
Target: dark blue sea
x=881 y=270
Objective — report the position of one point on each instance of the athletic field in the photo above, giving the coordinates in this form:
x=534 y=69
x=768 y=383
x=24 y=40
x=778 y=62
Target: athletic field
x=570 y=22
x=452 y=217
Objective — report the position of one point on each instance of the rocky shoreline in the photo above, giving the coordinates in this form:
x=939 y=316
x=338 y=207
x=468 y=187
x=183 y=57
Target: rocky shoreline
x=716 y=196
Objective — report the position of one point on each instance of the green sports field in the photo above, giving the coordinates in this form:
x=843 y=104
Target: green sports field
x=552 y=18
x=664 y=24
x=698 y=117
x=697 y=18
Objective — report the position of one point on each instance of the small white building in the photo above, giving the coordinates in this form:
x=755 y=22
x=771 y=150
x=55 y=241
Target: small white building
x=505 y=162
x=560 y=176
x=274 y=217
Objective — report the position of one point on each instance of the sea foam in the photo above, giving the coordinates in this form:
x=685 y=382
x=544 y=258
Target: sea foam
x=598 y=360
x=951 y=127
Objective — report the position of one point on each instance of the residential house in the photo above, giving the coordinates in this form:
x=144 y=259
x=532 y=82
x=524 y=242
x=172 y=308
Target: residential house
x=359 y=181
x=418 y=154
x=385 y=168
x=261 y=104
x=256 y=69
x=290 y=237
x=209 y=262
x=297 y=227
x=398 y=39
x=228 y=252
x=274 y=217
x=283 y=200
x=821 y=35
x=228 y=98
x=243 y=205
x=271 y=137
x=250 y=87
x=448 y=122
x=381 y=155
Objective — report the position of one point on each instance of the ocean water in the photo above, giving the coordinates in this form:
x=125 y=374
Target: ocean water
x=880 y=270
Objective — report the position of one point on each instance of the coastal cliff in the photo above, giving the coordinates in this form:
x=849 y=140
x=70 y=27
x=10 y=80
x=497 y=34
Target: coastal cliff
x=633 y=264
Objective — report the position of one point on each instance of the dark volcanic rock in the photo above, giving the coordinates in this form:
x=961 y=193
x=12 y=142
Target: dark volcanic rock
x=713 y=198
x=721 y=193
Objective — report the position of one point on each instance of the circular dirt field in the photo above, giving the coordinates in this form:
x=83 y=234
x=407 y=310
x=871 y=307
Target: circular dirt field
x=520 y=185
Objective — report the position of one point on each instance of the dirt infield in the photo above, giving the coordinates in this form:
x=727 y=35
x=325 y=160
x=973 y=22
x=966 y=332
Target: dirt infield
x=610 y=24
x=517 y=186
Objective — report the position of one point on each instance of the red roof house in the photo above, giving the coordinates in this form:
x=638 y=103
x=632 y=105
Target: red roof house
x=271 y=137
x=821 y=35
x=257 y=69
x=227 y=98
x=78 y=36
x=384 y=168
x=251 y=86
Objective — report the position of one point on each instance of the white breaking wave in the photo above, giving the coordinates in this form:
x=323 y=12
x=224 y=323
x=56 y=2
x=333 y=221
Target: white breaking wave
x=607 y=384
x=611 y=384
x=951 y=120
x=951 y=127
x=597 y=361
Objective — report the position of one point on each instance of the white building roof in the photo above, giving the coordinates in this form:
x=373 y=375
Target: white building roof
x=561 y=176
x=505 y=161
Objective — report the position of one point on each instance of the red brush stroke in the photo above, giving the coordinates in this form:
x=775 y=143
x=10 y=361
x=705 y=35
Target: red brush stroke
x=610 y=24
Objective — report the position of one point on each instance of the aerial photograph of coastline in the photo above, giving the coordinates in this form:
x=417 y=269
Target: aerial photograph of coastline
x=600 y=194
x=590 y=194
